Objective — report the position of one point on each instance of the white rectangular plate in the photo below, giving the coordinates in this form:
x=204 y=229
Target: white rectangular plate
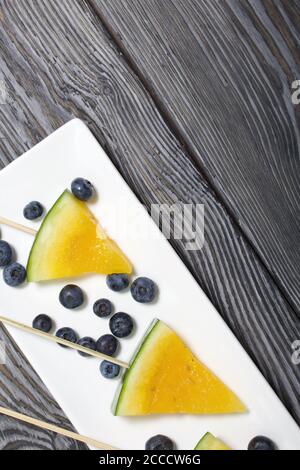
x=85 y=396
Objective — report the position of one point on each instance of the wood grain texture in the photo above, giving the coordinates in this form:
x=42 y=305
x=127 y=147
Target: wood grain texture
x=58 y=62
x=22 y=390
x=222 y=72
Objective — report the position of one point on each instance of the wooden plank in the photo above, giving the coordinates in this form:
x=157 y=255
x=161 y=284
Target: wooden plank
x=222 y=71
x=59 y=62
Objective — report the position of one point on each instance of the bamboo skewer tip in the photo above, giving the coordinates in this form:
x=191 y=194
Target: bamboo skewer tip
x=15 y=225
x=56 y=339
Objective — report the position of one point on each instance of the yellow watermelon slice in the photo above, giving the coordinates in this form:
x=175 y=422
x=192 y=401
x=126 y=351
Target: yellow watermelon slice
x=165 y=377
x=71 y=243
x=210 y=442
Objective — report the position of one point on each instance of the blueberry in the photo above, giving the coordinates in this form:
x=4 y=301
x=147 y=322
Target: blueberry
x=33 y=210
x=71 y=296
x=159 y=442
x=121 y=325
x=109 y=370
x=102 y=308
x=82 y=189
x=143 y=290
x=68 y=334
x=14 y=274
x=107 y=344
x=5 y=253
x=87 y=342
x=42 y=322
x=117 y=282
x=261 y=443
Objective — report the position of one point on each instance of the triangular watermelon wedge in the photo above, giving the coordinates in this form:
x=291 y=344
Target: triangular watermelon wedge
x=210 y=442
x=166 y=378
x=71 y=243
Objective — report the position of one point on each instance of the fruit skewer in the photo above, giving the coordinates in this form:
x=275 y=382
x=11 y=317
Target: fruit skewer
x=67 y=227
x=63 y=342
x=162 y=353
x=52 y=427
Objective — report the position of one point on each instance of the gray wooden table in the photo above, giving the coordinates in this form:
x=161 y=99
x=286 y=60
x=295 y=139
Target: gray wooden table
x=192 y=101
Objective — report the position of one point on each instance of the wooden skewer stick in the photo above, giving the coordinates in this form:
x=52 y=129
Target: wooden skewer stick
x=64 y=342
x=52 y=427
x=22 y=228
x=55 y=339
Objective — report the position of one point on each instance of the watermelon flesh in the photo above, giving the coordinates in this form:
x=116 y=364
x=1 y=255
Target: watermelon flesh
x=71 y=243
x=166 y=378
